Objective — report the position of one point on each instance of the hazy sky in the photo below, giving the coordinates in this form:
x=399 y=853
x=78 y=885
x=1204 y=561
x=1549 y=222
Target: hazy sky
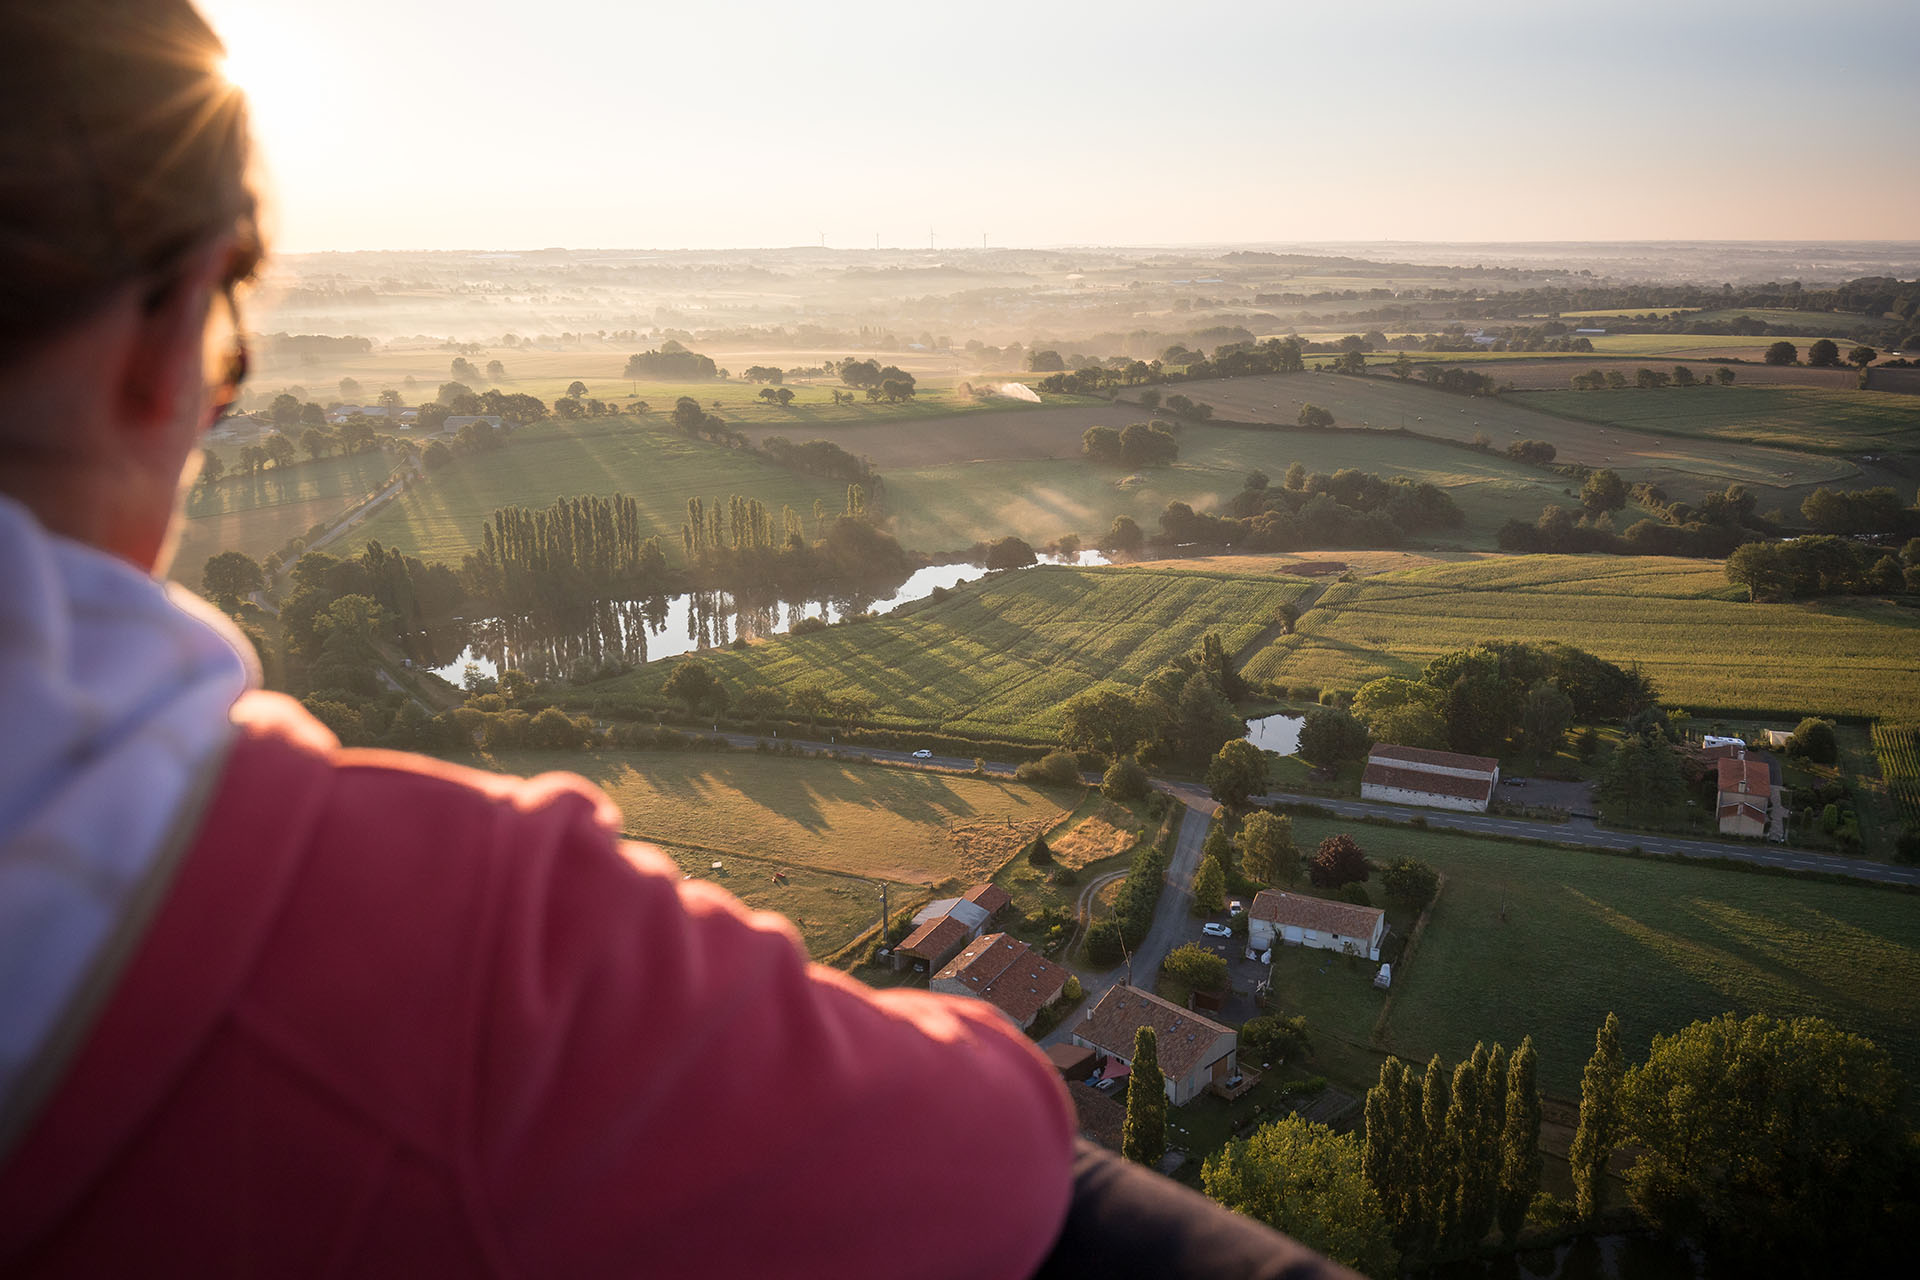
x=717 y=123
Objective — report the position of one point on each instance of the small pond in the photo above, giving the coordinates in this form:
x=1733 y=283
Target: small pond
x=1278 y=734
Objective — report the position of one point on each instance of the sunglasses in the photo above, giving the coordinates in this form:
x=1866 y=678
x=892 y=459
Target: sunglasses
x=227 y=352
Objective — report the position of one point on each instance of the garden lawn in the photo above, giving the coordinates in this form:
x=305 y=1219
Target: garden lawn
x=1659 y=943
x=998 y=657
x=1678 y=620
x=440 y=518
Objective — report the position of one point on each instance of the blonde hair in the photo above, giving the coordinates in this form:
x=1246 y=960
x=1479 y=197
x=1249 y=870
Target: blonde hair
x=123 y=148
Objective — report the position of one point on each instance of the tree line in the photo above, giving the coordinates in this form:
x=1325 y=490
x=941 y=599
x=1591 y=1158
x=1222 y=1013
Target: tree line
x=574 y=552
x=1350 y=508
x=1774 y=1146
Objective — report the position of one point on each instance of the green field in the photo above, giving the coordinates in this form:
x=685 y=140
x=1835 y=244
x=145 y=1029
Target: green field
x=1678 y=620
x=835 y=828
x=257 y=514
x=1660 y=944
x=1685 y=467
x=1791 y=417
x=440 y=518
x=997 y=658
x=955 y=504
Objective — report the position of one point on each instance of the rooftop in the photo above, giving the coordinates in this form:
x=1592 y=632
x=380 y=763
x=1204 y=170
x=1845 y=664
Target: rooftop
x=1008 y=974
x=934 y=939
x=1348 y=919
x=1443 y=759
x=1182 y=1037
x=990 y=896
x=1751 y=777
x=1439 y=784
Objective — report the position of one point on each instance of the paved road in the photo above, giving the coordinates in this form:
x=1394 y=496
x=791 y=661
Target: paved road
x=1172 y=921
x=1578 y=832
x=1582 y=832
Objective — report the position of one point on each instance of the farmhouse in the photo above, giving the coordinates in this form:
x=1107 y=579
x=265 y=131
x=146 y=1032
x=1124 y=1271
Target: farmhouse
x=1314 y=922
x=943 y=926
x=1007 y=974
x=1744 y=803
x=933 y=943
x=1436 y=779
x=1194 y=1052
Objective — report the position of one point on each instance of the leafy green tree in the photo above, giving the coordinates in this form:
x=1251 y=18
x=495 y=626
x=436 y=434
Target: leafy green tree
x=1202 y=720
x=1519 y=1142
x=230 y=577
x=694 y=682
x=1862 y=356
x=1210 y=886
x=1436 y=1161
x=1600 y=1130
x=1782 y=353
x=1272 y=1036
x=1329 y=736
x=1781 y=1144
x=1815 y=739
x=1125 y=780
x=1384 y=1141
x=1338 y=861
x=1105 y=719
x=1461 y=1140
x=1125 y=536
x=1143 y=1137
x=1309 y=1182
x=1824 y=353
x=1407 y=713
x=1197 y=967
x=1412 y=882
x=1544 y=718
x=1312 y=415
x=1238 y=772
x=1642 y=774
x=1267 y=851
x=1604 y=491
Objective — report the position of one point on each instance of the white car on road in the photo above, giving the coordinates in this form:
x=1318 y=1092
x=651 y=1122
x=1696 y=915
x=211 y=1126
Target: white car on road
x=1214 y=930
x=923 y=754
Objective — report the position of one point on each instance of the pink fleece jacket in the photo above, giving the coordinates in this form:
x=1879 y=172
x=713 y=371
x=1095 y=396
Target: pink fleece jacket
x=400 y=1018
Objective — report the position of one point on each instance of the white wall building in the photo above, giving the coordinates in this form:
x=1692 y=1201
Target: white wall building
x=1301 y=921
x=1434 y=779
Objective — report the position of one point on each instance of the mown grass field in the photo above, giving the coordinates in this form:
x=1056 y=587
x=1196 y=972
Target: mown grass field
x=1678 y=620
x=1660 y=944
x=440 y=518
x=1825 y=420
x=955 y=504
x=998 y=657
x=257 y=514
x=835 y=828
x=1684 y=466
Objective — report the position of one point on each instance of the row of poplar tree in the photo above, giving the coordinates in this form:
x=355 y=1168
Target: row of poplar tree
x=1450 y=1158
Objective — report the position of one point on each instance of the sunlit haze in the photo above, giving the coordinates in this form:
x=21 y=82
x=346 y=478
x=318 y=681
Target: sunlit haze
x=404 y=124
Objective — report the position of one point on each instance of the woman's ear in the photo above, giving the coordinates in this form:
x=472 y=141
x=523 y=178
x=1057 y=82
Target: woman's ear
x=163 y=379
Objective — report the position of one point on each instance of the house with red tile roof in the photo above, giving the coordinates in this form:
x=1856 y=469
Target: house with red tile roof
x=1006 y=973
x=1302 y=921
x=1433 y=779
x=1194 y=1052
x=1744 y=805
x=934 y=942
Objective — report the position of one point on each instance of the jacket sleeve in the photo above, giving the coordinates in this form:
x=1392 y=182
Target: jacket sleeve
x=665 y=1086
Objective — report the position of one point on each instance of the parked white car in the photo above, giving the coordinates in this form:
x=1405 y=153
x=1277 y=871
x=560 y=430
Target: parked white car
x=1214 y=930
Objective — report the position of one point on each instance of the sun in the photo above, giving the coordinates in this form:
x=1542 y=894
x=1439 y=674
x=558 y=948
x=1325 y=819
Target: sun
x=268 y=64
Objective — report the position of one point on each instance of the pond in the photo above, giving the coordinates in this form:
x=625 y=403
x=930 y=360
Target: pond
x=630 y=632
x=1278 y=734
